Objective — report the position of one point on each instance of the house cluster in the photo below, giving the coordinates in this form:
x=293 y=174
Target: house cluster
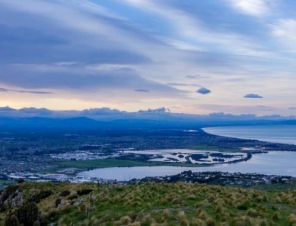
x=220 y=178
x=82 y=155
x=55 y=177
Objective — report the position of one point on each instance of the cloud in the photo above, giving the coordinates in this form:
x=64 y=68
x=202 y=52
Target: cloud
x=192 y=76
x=24 y=91
x=80 y=78
x=3 y=90
x=292 y=108
x=33 y=92
x=37 y=111
x=251 y=7
x=251 y=95
x=203 y=90
x=103 y=52
x=88 y=35
x=158 y=110
x=182 y=84
x=7 y=109
x=100 y=111
x=285 y=31
x=142 y=90
x=177 y=84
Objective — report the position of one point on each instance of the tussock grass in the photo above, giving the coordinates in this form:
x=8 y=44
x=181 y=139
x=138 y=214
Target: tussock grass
x=160 y=204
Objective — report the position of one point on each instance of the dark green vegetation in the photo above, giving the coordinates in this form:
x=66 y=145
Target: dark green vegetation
x=277 y=186
x=148 y=204
x=105 y=163
x=213 y=148
x=260 y=181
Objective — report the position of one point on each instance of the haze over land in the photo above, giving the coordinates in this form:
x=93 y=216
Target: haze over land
x=197 y=57
x=103 y=118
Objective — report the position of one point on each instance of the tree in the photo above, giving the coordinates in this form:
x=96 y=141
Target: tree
x=28 y=214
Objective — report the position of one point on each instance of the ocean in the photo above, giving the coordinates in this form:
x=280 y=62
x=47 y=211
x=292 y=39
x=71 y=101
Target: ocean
x=278 y=133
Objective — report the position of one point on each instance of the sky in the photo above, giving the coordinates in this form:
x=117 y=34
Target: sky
x=196 y=57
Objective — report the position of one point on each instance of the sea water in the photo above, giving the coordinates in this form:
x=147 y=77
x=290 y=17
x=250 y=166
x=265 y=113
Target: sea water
x=281 y=134
x=272 y=163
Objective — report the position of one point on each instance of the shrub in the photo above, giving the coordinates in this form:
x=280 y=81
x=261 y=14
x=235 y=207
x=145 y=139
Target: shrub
x=252 y=213
x=85 y=191
x=184 y=222
x=20 y=181
x=198 y=222
x=165 y=213
x=292 y=219
x=28 y=214
x=40 y=196
x=83 y=207
x=65 y=193
x=242 y=207
x=210 y=222
x=202 y=215
x=11 y=220
x=50 y=216
x=57 y=202
x=36 y=223
x=125 y=220
x=72 y=197
x=219 y=209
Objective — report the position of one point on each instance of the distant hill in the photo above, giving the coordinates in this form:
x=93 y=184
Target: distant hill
x=85 y=123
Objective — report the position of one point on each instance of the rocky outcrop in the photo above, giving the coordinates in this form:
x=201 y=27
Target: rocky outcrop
x=11 y=197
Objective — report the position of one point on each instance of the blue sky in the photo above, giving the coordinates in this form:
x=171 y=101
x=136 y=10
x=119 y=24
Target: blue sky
x=232 y=56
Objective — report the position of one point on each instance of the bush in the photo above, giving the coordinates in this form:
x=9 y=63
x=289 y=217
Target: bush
x=36 y=223
x=65 y=193
x=210 y=222
x=242 y=207
x=11 y=220
x=125 y=220
x=40 y=196
x=57 y=202
x=85 y=191
x=20 y=181
x=28 y=214
x=276 y=216
x=73 y=197
x=252 y=213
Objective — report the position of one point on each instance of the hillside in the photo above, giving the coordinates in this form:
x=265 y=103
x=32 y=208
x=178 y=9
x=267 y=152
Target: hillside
x=144 y=204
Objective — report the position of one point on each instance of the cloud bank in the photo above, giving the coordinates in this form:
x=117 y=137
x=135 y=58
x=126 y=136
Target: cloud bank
x=87 y=54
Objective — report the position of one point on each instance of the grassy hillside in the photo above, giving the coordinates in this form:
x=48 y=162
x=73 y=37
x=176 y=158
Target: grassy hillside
x=151 y=204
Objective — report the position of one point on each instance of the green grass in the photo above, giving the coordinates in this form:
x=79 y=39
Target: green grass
x=107 y=163
x=164 y=204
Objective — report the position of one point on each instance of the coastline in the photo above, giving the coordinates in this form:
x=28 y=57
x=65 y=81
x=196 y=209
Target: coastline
x=217 y=143
x=280 y=134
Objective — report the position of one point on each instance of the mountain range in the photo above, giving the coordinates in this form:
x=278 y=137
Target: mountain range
x=106 y=118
